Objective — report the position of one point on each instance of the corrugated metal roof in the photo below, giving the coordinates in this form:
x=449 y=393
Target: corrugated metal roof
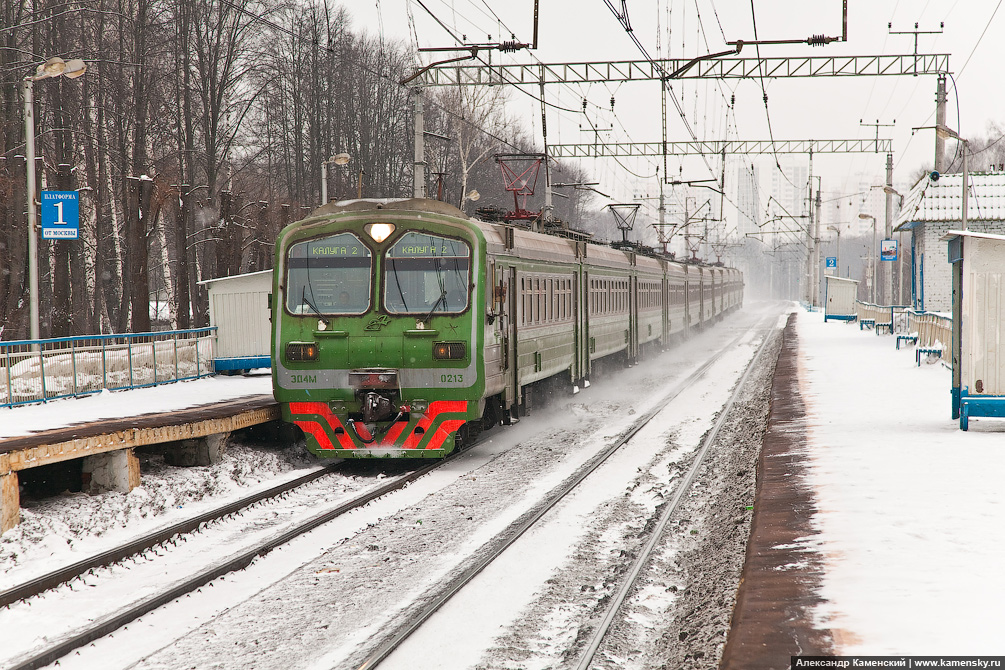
x=941 y=201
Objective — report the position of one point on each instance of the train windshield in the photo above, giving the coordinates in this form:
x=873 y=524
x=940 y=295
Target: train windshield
x=329 y=275
x=426 y=274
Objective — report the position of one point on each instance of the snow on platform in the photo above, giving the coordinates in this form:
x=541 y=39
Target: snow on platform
x=26 y=419
x=909 y=506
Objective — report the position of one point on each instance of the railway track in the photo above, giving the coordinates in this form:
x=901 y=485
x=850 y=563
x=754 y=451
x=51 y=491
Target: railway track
x=432 y=602
x=136 y=547
x=668 y=512
x=113 y=622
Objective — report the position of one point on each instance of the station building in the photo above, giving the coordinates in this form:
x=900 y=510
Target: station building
x=931 y=209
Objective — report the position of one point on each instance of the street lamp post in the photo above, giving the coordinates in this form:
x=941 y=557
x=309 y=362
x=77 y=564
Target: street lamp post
x=872 y=254
x=337 y=159
x=891 y=191
x=54 y=67
x=837 y=229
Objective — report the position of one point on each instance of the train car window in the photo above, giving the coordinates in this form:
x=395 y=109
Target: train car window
x=329 y=275
x=524 y=302
x=555 y=286
x=561 y=299
x=426 y=274
x=542 y=300
x=565 y=299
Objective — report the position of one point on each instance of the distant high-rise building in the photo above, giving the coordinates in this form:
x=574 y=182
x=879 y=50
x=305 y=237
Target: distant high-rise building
x=748 y=203
x=790 y=187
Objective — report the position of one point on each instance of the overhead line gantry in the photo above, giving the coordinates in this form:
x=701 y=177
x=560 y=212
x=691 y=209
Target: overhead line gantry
x=543 y=74
x=747 y=147
x=721 y=68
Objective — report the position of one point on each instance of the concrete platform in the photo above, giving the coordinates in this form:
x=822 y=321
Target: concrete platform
x=778 y=587
x=109 y=444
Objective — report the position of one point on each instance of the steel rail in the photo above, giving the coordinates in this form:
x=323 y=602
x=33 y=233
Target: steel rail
x=110 y=624
x=503 y=540
x=682 y=488
x=57 y=577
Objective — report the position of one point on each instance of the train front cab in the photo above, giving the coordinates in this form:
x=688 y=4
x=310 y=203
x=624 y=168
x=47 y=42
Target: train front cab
x=375 y=348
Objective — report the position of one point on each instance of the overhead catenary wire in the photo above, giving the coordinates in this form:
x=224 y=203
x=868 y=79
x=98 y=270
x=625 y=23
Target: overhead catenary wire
x=538 y=100
x=979 y=39
x=960 y=73
x=764 y=91
x=626 y=25
x=553 y=105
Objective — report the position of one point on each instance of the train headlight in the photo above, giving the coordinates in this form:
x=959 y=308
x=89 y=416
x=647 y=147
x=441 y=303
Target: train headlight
x=302 y=351
x=449 y=351
x=379 y=231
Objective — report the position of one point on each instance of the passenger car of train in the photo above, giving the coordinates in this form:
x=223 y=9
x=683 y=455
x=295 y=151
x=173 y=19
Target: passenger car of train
x=401 y=327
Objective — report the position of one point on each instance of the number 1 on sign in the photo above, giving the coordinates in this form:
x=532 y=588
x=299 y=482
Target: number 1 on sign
x=59 y=215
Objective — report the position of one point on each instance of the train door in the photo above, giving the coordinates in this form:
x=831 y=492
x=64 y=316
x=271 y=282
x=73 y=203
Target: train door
x=665 y=294
x=578 y=366
x=506 y=281
x=583 y=319
x=687 y=299
x=633 y=317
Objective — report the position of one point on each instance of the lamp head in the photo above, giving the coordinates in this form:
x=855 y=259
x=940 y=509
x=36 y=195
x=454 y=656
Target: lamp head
x=50 y=68
x=341 y=159
x=75 y=67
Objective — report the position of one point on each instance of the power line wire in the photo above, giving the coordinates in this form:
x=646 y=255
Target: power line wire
x=983 y=33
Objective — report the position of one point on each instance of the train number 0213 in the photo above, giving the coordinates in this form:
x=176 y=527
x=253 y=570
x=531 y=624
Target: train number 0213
x=451 y=379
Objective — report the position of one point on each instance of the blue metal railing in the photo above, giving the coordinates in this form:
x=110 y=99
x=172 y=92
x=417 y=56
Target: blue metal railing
x=41 y=370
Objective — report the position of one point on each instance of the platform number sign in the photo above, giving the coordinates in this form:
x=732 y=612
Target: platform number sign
x=888 y=250
x=832 y=262
x=60 y=215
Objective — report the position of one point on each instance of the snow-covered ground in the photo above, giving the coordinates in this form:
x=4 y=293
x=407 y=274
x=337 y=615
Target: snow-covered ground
x=282 y=613
x=910 y=507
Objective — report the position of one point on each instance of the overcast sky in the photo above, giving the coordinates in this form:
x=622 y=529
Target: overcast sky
x=798 y=108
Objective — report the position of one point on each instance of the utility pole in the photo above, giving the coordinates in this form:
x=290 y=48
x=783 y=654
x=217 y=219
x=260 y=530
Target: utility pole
x=886 y=296
x=888 y=233
x=816 y=243
x=419 y=172
x=547 y=214
x=940 y=120
x=810 y=292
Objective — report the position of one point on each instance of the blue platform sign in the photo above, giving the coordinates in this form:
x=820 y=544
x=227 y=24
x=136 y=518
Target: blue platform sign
x=832 y=262
x=60 y=215
x=888 y=250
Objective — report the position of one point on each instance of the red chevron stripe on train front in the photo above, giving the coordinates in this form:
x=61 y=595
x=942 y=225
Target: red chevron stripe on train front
x=437 y=408
x=345 y=442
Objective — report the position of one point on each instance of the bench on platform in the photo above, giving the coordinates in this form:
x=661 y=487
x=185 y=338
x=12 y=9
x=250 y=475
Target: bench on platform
x=866 y=323
x=884 y=325
x=927 y=351
x=911 y=339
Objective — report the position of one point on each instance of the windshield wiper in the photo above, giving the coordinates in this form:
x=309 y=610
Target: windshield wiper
x=305 y=301
x=443 y=299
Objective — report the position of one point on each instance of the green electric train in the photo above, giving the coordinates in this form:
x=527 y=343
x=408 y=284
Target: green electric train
x=401 y=328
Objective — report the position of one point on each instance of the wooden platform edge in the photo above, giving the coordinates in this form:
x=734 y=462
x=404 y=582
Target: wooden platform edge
x=47 y=453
